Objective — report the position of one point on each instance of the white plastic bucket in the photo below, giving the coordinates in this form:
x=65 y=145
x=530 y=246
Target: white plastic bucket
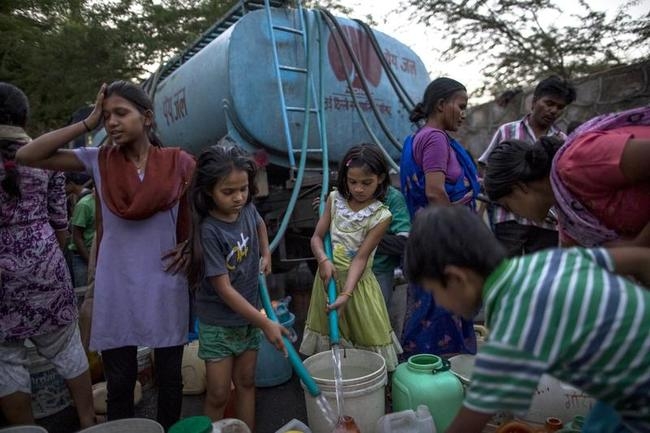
x=364 y=380
x=49 y=391
x=23 y=429
x=129 y=425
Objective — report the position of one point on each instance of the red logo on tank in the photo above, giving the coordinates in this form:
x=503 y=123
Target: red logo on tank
x=363 y=51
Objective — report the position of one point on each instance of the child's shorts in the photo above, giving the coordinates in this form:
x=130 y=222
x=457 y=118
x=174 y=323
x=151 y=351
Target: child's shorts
x=62 y=348
x=220 y=342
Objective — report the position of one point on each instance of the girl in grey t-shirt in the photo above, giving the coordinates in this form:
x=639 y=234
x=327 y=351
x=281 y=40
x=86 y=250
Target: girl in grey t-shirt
x=229 y=238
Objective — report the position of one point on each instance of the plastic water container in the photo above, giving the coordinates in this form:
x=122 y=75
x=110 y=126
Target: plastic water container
x=462 y=366
x=481 y=334
x=407 y=421
x=192 y=424
x=575 y=424
x=49 y=391
x=145 y=367
x=129 y=425
x=272 y=367
x=193 y=370
x=294 y=426
x=193 y=334
x=426 y=379
x=230 y=425
x=557 y=399
x=23 y=429
x=364 y=382
x=552 y=398
x=100 y=392
x=281 y=309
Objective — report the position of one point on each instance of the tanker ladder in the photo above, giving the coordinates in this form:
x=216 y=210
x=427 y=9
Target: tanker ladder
x=313 y=105
x=300 y=31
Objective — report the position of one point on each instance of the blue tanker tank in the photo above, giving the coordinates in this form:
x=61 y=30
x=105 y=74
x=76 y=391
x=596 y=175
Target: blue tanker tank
x=249 y=76
x=235 y=85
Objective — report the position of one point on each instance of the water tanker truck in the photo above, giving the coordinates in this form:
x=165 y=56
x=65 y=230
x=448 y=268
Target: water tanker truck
x=296 y=88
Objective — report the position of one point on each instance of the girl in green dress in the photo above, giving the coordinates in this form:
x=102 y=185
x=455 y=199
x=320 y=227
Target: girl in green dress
x=356 y=219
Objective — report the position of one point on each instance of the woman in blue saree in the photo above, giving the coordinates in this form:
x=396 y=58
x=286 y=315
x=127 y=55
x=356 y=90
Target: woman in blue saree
x=436 y=170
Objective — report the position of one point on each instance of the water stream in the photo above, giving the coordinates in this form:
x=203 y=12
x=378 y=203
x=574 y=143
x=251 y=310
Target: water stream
x=338 y=379
x=326 y=410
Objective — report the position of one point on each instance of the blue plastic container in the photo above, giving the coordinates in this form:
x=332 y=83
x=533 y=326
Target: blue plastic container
x=272 y=367
x=194 y=331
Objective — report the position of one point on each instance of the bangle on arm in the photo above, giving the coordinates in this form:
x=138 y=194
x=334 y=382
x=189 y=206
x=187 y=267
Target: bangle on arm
x=348 y=294
x=323 y=260
x=86 y=125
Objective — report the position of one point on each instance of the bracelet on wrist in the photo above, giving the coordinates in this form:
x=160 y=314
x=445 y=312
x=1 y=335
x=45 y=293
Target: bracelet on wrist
x=348 y=294
x=323 y=260
x=86 y=125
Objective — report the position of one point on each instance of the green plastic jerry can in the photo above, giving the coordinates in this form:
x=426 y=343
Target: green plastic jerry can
x=426 y=379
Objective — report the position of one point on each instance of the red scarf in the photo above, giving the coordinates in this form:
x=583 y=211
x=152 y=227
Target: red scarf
x=167 y=176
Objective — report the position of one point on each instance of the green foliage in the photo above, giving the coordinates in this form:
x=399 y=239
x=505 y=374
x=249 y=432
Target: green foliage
x=333 y=6
x=60 y=51
x=339 y=9
x=521 y=41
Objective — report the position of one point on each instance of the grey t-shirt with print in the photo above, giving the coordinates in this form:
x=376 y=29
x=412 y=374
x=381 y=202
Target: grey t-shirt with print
x=229 y=248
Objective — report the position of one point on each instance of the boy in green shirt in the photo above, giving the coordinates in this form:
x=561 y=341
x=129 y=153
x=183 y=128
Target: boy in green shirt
x=83 y=231
x=565 y=313
x=391 y=247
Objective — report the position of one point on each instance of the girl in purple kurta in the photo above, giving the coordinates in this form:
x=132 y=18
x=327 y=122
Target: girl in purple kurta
x=141 y=299
x=36 y=296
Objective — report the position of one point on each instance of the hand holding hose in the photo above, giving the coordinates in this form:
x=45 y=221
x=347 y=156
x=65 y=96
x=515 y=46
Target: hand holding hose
x=339 y=303
x=326 y=271
x=273 y=332
x=265 y=264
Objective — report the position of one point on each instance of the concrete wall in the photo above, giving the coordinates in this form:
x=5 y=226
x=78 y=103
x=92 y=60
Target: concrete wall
x=613 y=90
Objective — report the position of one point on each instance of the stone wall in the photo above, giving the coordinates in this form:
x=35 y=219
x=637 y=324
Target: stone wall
x=613 y=90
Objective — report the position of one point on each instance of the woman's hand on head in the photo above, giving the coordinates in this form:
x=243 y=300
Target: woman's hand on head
x=273 y=332
x=95 y=117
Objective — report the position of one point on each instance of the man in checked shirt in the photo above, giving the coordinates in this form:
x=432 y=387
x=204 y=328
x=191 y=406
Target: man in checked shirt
x=517 y=234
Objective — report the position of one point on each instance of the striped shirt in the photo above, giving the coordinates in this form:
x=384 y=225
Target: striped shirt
x=520 y=130
x=564 y=313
